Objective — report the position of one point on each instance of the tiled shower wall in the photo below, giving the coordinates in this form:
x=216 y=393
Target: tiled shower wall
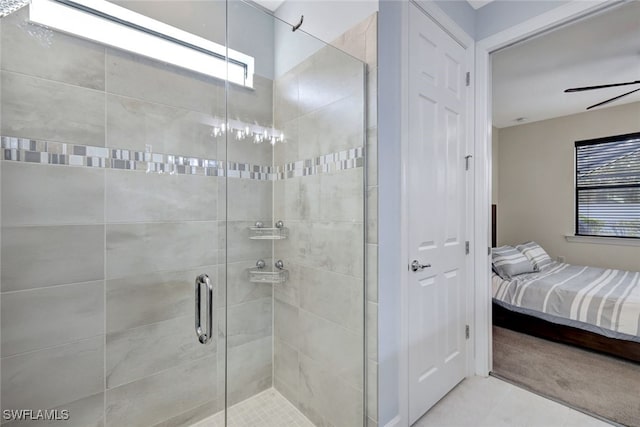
x=319 y=312
x=361 y=41
x=98 y=263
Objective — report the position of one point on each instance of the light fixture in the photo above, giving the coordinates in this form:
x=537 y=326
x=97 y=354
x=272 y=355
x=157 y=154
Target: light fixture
x=112 y=25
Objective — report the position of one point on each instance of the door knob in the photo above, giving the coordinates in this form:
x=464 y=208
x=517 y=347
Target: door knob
x=416 y=266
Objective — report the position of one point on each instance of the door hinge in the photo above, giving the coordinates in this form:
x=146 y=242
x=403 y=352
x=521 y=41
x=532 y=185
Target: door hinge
x=466 y=247
x=466 y=331
x=468 y=78
x=467 y=158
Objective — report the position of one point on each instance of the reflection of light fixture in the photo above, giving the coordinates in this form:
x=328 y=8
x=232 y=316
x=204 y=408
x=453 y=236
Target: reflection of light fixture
x=241 y=130
x=106 y=23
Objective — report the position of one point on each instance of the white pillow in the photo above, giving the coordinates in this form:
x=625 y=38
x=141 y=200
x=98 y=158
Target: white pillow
x=509 y=262
x=538 y=256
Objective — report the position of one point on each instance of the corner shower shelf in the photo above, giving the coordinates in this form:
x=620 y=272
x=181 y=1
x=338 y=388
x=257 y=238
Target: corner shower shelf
x=263 y=275
x=262 y=233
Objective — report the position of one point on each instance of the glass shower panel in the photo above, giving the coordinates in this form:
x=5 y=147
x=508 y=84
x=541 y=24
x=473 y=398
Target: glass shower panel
x=295 y=211
x=112 y=194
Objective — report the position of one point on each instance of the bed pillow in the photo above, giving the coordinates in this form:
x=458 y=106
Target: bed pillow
x=534 y=252
x=509 y=262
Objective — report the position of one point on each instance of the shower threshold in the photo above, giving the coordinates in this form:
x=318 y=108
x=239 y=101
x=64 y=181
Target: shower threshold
x=265 y=409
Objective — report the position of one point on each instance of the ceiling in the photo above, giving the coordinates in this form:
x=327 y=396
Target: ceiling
x=529 y=78
x=477 y=4
x=272 y=5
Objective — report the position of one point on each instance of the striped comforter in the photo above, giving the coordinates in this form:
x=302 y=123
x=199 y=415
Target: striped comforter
x=596 y=299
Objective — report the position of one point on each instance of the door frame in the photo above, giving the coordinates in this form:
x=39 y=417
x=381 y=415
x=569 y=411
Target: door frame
x=479 y=349
x=457 y=33
x=559 y=16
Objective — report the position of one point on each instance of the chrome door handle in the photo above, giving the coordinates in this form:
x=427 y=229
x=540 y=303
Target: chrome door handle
x=204 y=337
x=416 y=266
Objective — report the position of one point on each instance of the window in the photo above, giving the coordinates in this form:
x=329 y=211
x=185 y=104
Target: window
x=608 y=186
x=104 y=22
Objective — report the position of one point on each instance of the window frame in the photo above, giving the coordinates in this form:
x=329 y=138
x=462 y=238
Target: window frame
x=597 y=141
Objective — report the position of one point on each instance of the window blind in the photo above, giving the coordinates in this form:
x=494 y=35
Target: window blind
x=608 y=186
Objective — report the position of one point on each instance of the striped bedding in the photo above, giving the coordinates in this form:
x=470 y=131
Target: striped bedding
x=599 y=300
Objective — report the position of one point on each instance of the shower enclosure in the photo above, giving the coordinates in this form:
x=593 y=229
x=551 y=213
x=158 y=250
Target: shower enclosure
x=182 y=210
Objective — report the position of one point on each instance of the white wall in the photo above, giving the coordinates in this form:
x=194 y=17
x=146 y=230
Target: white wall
x=460 y=12
x=390 y=33
x=536 y=184
x=500 y=15
x=326 y=19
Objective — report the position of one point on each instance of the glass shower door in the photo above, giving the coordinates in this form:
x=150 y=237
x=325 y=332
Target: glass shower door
x=182 y=217
x=295 y=229
x=112 y=194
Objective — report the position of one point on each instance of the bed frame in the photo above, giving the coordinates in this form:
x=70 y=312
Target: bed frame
x=519 y=322
x=505 y=318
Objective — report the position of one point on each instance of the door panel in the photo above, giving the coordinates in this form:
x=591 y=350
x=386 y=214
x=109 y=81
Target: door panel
x=437 y=188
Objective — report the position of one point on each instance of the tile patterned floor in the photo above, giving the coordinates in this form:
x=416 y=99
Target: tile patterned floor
x=490 y=402
x=266 y=409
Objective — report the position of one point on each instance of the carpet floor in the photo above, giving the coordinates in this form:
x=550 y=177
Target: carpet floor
x=599 y=384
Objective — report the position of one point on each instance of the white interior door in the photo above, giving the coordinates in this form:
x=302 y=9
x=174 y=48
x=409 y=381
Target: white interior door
x=437 y=213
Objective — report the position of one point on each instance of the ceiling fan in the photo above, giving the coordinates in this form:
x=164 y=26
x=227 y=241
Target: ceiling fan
x=582 y=89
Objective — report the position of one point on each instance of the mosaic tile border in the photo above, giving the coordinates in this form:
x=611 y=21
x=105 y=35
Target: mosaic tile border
x=342 y=160
x=60 y=153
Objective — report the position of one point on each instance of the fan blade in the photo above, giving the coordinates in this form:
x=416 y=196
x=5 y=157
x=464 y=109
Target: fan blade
x=580 y=89
x=612 y=99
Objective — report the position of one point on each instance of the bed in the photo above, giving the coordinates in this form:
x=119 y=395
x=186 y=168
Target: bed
x=595 y=308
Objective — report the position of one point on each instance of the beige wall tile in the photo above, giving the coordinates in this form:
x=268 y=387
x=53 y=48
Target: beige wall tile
x=249 y=369
x=142 y=197
x=286 y=323
x=162 y=396
x=338 y=350
x=133 y=354
x=34 y=257
x=46 y=317
x=134 y=249
x=78 y=116
x=333 y=296
x=134 y=76
x=249 y=321
x=149 y=298
x=29 y=380
x=34 y=194
x=326 y=399
x=140 y=125
x=61 y=58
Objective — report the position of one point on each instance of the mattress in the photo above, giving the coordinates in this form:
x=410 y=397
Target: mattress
x=605 y=301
